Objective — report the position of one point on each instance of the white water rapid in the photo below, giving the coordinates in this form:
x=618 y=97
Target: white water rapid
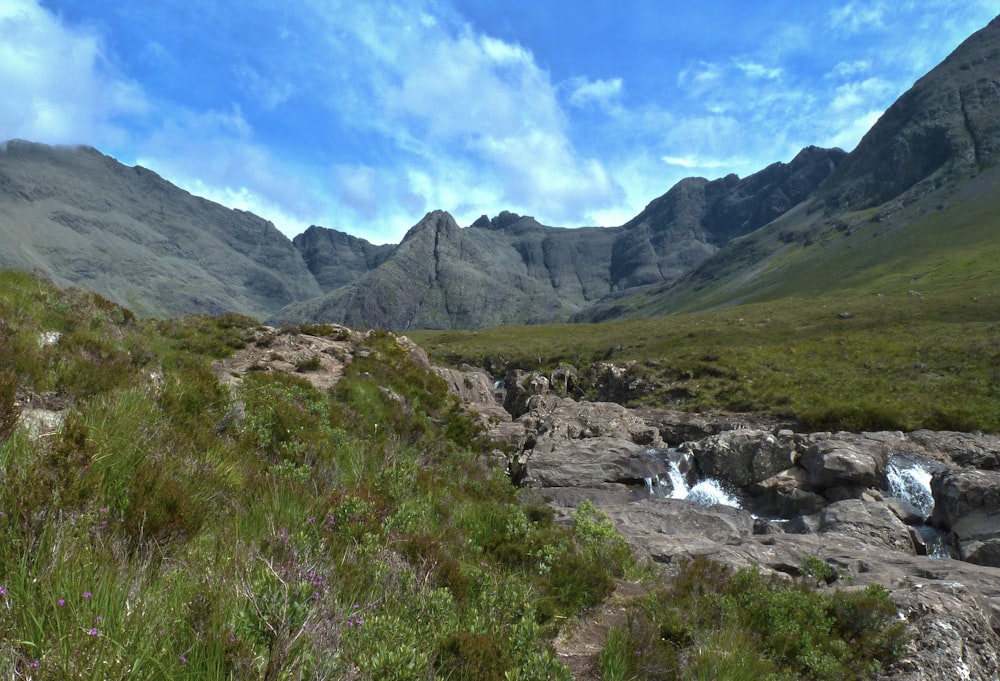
x=677 y=484
x=909 y=479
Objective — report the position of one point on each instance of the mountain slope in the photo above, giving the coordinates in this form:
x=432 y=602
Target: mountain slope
x=441 y=276
x=82 y=218
x=917 y=194
x=336 y=258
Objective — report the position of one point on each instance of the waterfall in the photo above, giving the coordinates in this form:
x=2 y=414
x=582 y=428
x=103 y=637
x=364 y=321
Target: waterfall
x=909 y=479
x=678 y=483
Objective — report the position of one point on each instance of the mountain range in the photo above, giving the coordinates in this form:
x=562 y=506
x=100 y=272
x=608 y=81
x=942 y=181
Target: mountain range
x=924 y=176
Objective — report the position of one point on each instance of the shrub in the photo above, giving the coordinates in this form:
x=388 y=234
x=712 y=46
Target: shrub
x=712 y=622
x=9 y=411
x=464 y=656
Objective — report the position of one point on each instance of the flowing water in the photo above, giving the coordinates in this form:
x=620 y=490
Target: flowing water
x=909 y=479
x=681 y=483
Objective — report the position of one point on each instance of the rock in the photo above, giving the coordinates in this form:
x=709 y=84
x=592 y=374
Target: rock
x=618 y=382
x=589 y=462
x=845 y=461
x=869 y=521
x=678 y=427
x=785 y=495
x=521 y=386
x=743 y=457
x=661 y=527
x=967 y=503
x=973 y=450
x=475 y=390
x=562 y=418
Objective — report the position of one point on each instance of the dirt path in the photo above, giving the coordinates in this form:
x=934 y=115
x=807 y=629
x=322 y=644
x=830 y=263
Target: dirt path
x=580 y=647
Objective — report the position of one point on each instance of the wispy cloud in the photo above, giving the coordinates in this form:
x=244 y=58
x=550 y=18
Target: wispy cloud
x=855 y=16
x=602 y=92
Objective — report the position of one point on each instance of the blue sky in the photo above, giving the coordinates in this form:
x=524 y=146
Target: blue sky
x=363 y=116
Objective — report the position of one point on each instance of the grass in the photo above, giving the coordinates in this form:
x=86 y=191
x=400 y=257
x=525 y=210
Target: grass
x=891 y=361
x=175 y=528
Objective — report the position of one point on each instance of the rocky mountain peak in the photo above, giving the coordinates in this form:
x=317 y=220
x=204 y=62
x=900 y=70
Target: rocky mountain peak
x=942 y=127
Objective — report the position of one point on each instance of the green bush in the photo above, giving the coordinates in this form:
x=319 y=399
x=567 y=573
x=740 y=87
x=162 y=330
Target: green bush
x=713 y=622
x=9 y=410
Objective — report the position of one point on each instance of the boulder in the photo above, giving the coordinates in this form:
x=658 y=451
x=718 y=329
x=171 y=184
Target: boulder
x=785 y=495
x=521 y=386
x=589 y=462
x=967 y=502
x=872 y=522
x=743 y=457
x=663 y=526
x=562 y=418
x=971 y=450
x=845 y=461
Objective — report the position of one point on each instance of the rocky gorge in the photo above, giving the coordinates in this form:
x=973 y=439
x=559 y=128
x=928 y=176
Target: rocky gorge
x=915 y=512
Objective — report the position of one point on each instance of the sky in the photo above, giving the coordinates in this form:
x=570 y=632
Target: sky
x=364 y=116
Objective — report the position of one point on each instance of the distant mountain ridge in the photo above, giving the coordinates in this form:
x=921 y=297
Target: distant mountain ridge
x=82 y=218
x=511 y=269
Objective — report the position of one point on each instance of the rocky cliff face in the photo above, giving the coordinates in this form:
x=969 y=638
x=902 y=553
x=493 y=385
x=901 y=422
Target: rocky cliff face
x=689 y=223
x=336 y=258
x=441 y=276
x=944 y=126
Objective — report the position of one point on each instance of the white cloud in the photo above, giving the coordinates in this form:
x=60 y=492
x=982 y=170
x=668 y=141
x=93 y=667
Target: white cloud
x=846 y=69
x=600 y=92
x=448 y=96
x=856 y=17
x=860 y=94
x=66 y=90
x=757 y=70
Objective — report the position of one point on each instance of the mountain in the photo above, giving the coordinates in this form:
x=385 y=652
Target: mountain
x=335 y=258
x=918 y=191
x=82 y=218
x=511 y=269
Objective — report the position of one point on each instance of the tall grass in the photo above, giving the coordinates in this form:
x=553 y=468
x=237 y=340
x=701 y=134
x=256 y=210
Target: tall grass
x=852 y=361
x=174 y=528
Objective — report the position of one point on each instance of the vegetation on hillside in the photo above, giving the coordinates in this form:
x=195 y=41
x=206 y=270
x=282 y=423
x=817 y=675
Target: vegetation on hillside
x=175 y=528
x=851 y=361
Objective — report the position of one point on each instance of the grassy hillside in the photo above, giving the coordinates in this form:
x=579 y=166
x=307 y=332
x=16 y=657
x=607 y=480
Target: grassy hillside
x=175 y=528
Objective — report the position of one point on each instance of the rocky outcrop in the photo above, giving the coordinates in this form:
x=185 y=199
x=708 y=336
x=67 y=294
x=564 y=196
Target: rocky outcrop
x=967 y=503
x=336 y=258
x=680 y=229
x=744 y=457
x=944 y=125
x=815 y=495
